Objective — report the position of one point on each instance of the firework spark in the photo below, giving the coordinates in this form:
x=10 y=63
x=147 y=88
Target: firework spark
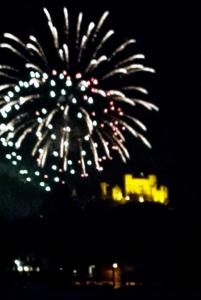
x=72 y=114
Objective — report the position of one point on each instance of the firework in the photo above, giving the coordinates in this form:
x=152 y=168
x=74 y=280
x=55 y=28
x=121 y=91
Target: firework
x=69 y=115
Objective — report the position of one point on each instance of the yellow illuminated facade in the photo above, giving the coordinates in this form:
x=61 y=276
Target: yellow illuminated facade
x=137 y=189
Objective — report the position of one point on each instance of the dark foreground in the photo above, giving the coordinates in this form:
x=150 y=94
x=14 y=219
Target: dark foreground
x=43 y=293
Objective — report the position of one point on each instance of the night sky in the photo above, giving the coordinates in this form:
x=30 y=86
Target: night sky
x=168 y=33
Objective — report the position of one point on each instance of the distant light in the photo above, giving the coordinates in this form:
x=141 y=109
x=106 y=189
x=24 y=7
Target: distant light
x=55 y=153
x=52 y=82
x=44 y=111
x=83 y=152
x=20 y=269
x=26 y=85
x=69 y=83
x=70 y=162
x=127 y=198
x=26 y=268
x=72 y=172
x=45 y=76
x=10 y=94
x=40 y=120
x=37 y=75
x=52 y=94
x=74 y=272
x=74 y=101
x=53 y=137
x=63 y=92
x=56 y=179
x=37 y=173
x=17 y=262
x=115 y=265
x=42 y=183
x=37 y=269
x=54 y=167
x=89 y=162
x=28 y=179
x=141 y=199
x=32 y=74
x=17 y=88
x=79 y=115
x=8 y=156
x=7 y=99
x=83 y=88
x=17 y=107
x=48 y=189
x=90 y=100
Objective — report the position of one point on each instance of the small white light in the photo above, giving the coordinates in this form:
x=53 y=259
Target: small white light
x=115 y=265
x=52 y=82
x=7 y=99
x=53 y=137
x=68 y=129
x=56 y=179
x=61 y=76
x=8 y=156
x=42 y=183
x=63 y=92
x=40 y=150
x=10 y=94
x=26 y=269
x=79 y=115
x=54 y=167
x=28 y=179
x=83 y=88
x=17 y=107
x=86 y=138
x=40 y=120
x=83 y=152
x=89 y=162
x=74 y=101
x=37 y=173
x=20 y=269
x=72 y=172
x=52 y=94
x=48 y=189
x=26 y=85
x=19 y=157
x=17 y=88
x=21 y=83
x=13 y=153
x=45 y=76
x=36 y=84
x=95 y=123
x=50 y=126
x=55 y=153
x=70 y=162
x=32 y=74
x=90 y=100
x=37 y=75
x=68 y=83
x=4 y=115
x=10 y=144
x=44 y=111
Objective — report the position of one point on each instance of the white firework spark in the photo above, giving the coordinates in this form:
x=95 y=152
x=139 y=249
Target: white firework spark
x=69 y=114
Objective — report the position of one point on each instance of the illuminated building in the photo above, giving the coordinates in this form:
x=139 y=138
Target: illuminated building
x=136 y=189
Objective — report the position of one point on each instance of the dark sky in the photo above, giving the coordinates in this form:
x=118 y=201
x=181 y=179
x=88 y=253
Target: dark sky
x=169 y=33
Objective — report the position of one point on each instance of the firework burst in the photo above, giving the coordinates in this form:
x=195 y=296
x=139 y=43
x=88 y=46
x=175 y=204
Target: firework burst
x=72 y=114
